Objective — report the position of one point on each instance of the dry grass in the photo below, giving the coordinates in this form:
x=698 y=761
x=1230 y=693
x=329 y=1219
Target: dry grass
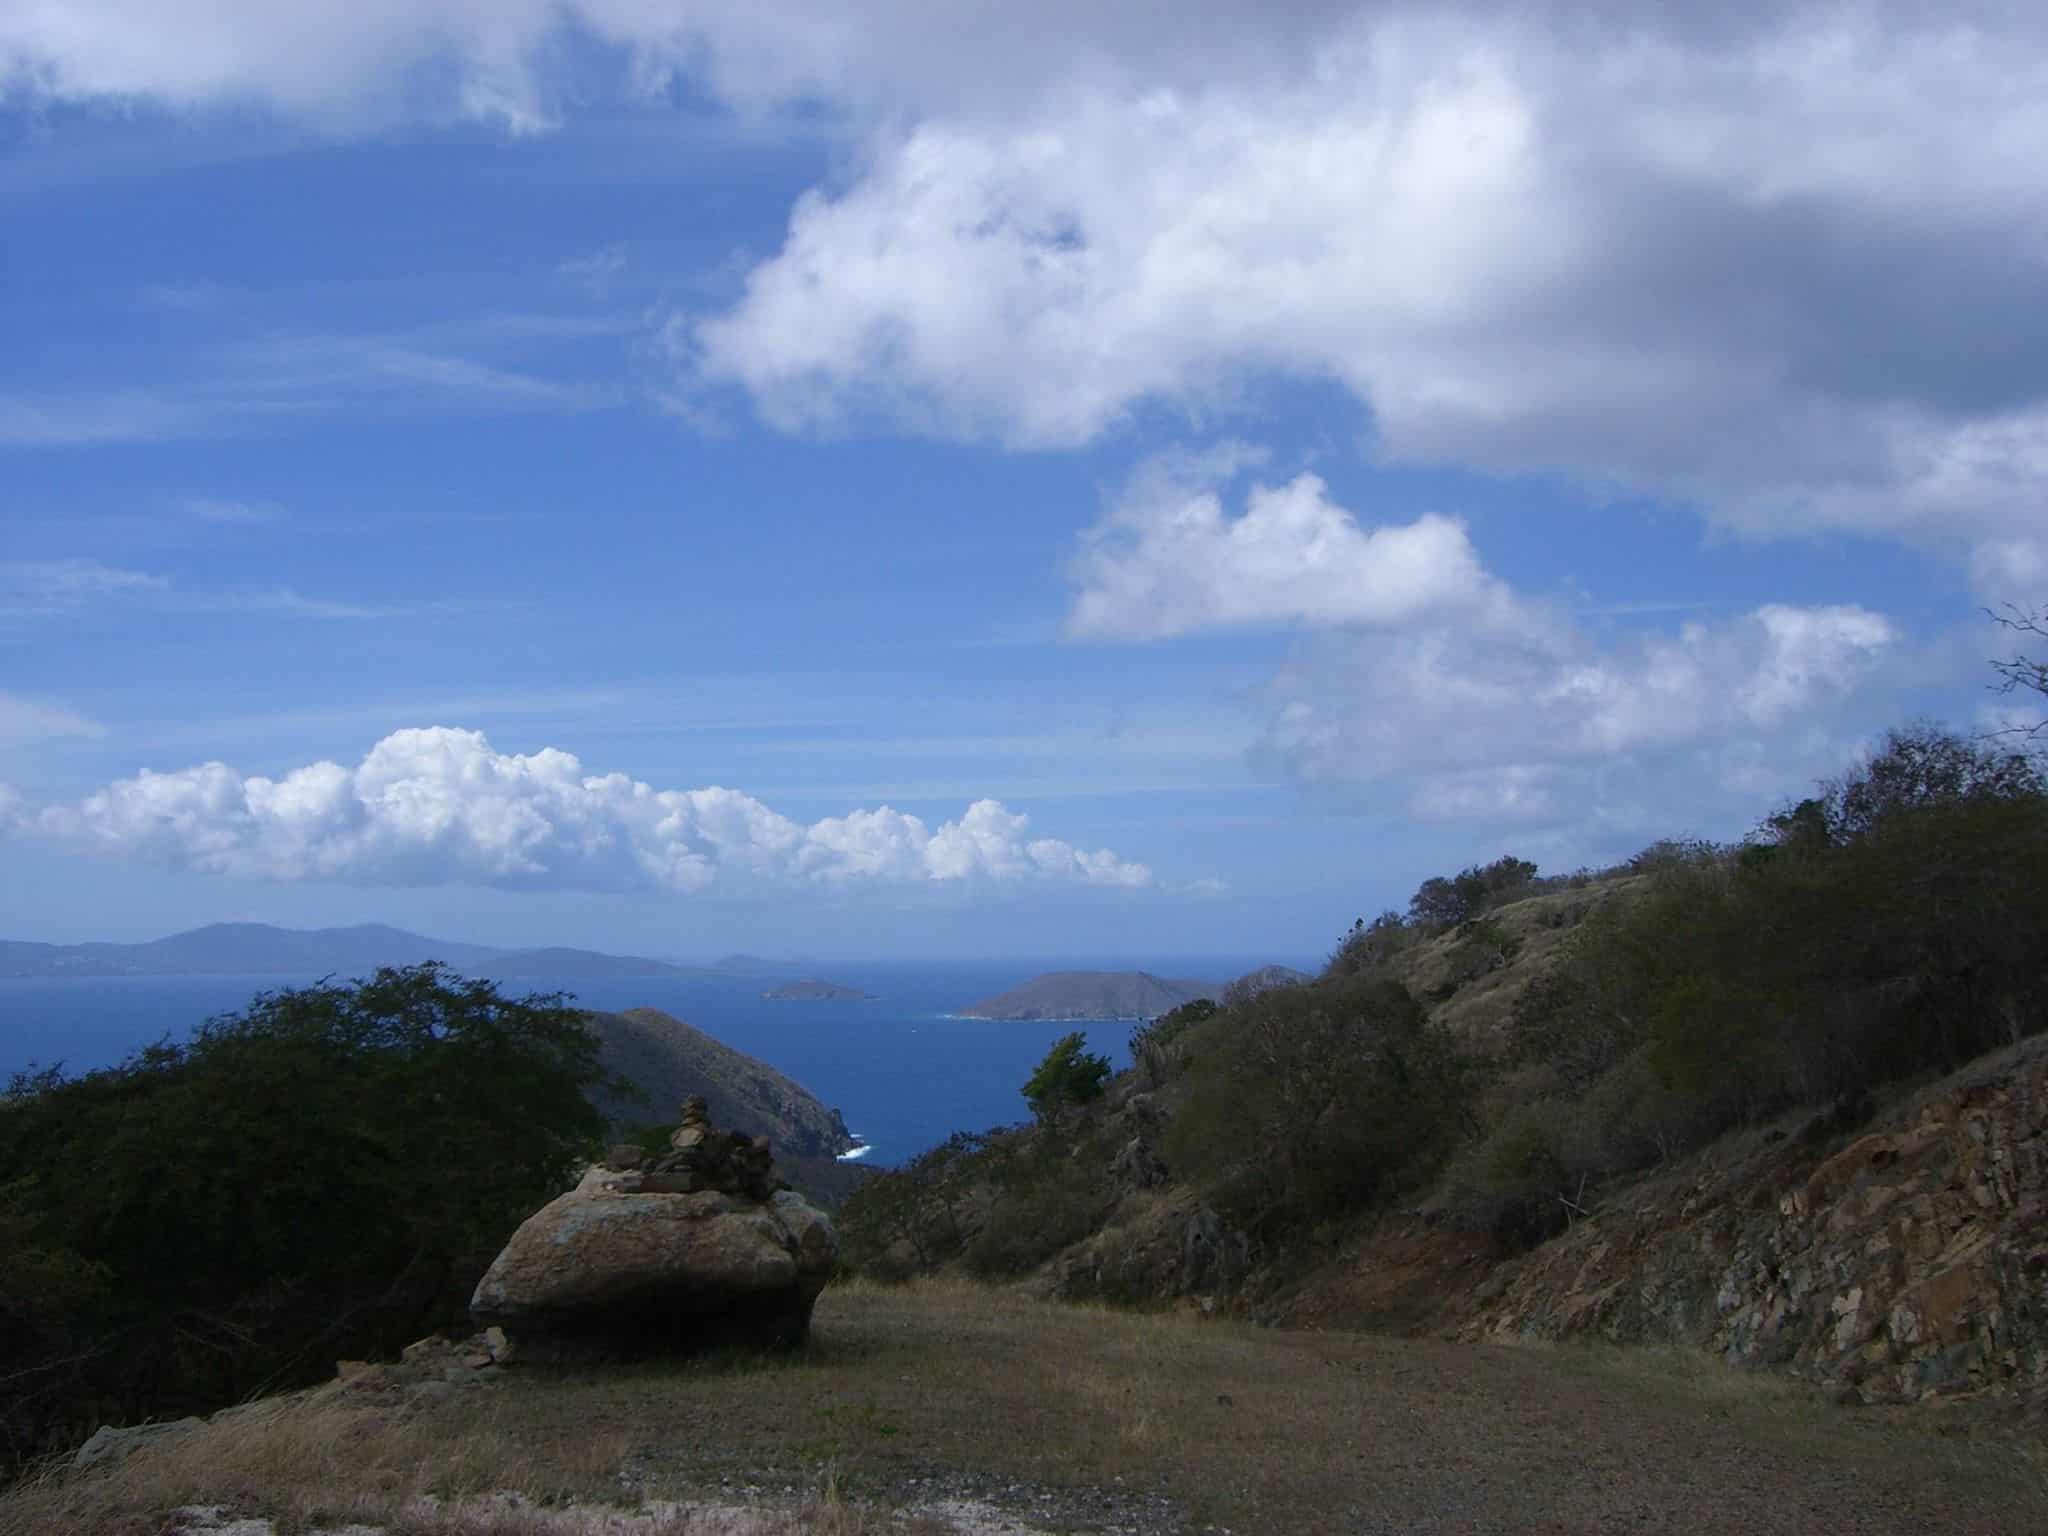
x=1076 y=1418
x=1479 y=1012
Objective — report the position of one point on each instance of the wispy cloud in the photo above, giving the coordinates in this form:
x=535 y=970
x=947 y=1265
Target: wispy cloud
x=288 y=603
x=256 y=375
x=39 y=588
x=597 y=271
x=23 y=720
x=117 y=416
x=33 y=589
x=216 y=509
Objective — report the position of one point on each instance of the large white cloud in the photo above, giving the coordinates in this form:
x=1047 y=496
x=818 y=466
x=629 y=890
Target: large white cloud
x=1790 y=266
x=441 y=806
x=1787 y=260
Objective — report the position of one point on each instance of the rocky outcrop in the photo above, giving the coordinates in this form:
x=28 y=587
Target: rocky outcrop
x=700 y=1246
x=1911 y=1263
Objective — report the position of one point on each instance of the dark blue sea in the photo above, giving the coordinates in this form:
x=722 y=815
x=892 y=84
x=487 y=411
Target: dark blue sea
x=904 y=1074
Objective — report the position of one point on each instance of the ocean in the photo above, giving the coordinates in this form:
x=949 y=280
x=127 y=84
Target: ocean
x=904 y=1074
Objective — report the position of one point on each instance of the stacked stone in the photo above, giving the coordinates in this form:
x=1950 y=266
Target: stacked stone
x=702 y=1159
x=700 y=1246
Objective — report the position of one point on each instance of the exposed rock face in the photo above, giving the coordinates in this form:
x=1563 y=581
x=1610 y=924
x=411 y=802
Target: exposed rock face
x=701 y=1246
x=1912 y=1263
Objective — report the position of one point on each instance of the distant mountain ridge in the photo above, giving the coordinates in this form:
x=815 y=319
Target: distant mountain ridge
x=259 y=949
x=1091 y=995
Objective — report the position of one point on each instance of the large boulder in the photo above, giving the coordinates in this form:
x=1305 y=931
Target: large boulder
x=698 y=1248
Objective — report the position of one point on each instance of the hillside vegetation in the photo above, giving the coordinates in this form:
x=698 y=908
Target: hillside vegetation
x=324 y=1174
x=1511 y=1046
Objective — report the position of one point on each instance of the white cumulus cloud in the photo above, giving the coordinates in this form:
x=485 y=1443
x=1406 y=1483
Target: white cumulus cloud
x=1789 y=265
x=440 y=806
x=1169 y=559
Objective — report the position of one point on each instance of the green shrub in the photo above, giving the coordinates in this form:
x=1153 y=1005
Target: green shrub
x=1314 y=1102
x=1068 y=1076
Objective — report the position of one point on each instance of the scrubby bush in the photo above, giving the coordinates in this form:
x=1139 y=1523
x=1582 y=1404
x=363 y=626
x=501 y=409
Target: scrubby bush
x=1442 y=903
x=1370 y=945
x=916 y=1218
x=1157 y=1049
x=1309 y=1103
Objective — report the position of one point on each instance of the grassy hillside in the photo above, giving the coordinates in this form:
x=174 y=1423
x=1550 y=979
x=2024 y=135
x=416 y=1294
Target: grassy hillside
x=948 y=1408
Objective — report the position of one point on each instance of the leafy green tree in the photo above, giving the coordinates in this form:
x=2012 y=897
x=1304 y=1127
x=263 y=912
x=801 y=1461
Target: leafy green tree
x=1069 y=1075
x=326 y=1172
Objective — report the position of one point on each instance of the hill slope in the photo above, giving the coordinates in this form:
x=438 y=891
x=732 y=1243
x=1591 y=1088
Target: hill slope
x=666 y=1061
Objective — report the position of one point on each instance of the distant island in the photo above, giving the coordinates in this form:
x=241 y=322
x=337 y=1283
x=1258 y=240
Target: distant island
x=813 y=991
x=1091 y=995
x=258 y=949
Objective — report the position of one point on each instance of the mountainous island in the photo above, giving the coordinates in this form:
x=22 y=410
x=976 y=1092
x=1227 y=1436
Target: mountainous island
x=259 y=949
x=811 y=990
x=1090 y=995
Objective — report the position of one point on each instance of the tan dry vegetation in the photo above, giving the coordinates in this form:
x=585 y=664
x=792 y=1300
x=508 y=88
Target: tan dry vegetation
x=948 y=1397
x=1479 y=1011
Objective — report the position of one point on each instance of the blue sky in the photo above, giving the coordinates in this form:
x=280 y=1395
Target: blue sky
x=971 y=480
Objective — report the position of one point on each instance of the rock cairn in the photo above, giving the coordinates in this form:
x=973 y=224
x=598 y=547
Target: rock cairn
x=701 y=1246
x=699 y=1158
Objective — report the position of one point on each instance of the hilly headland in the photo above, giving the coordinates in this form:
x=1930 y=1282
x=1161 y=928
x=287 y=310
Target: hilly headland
x=1090 y=995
